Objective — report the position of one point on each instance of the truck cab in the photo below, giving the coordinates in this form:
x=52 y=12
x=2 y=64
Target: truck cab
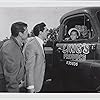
x=76 y=53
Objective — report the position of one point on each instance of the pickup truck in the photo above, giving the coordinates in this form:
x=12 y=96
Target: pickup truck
x=76 y=53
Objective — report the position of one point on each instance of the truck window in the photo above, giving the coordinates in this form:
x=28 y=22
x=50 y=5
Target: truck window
x=77 y=28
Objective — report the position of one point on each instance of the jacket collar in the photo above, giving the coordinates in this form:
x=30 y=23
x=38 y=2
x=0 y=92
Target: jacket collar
x=13 y=38
x=41 y=42
x=40 y=47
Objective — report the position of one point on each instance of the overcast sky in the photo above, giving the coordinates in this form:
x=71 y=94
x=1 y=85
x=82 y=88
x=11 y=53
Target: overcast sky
x=30 y=15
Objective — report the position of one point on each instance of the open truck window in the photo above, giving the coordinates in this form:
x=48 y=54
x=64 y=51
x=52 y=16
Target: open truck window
x=77 y=28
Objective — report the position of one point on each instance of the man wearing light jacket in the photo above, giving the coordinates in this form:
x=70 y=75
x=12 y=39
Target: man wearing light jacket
x=35 y=58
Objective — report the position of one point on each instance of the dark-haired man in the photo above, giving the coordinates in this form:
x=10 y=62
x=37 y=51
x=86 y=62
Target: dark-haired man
x=12 y=66
x=35 y=58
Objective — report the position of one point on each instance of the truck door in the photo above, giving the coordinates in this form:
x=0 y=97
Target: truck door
x=78 y=33
x=76 y=45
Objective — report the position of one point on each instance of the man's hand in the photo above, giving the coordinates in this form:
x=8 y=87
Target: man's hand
x=31 y=90
x=21 y=84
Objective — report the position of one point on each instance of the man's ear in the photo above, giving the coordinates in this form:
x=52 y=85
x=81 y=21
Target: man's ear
x=20 y=34
x=40 y=33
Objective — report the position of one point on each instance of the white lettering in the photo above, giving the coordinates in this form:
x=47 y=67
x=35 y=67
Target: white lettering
x=75 y=51
x=72 y=63
x=76 y=48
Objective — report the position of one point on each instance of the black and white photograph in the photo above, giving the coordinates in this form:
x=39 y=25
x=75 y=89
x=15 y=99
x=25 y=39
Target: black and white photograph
x=50 y=47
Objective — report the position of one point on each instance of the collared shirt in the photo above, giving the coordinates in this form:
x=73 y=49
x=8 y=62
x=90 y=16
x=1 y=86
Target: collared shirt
x=41 y=42
x=19 y=42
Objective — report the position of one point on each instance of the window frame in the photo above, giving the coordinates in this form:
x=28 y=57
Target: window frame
x=73 y=16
